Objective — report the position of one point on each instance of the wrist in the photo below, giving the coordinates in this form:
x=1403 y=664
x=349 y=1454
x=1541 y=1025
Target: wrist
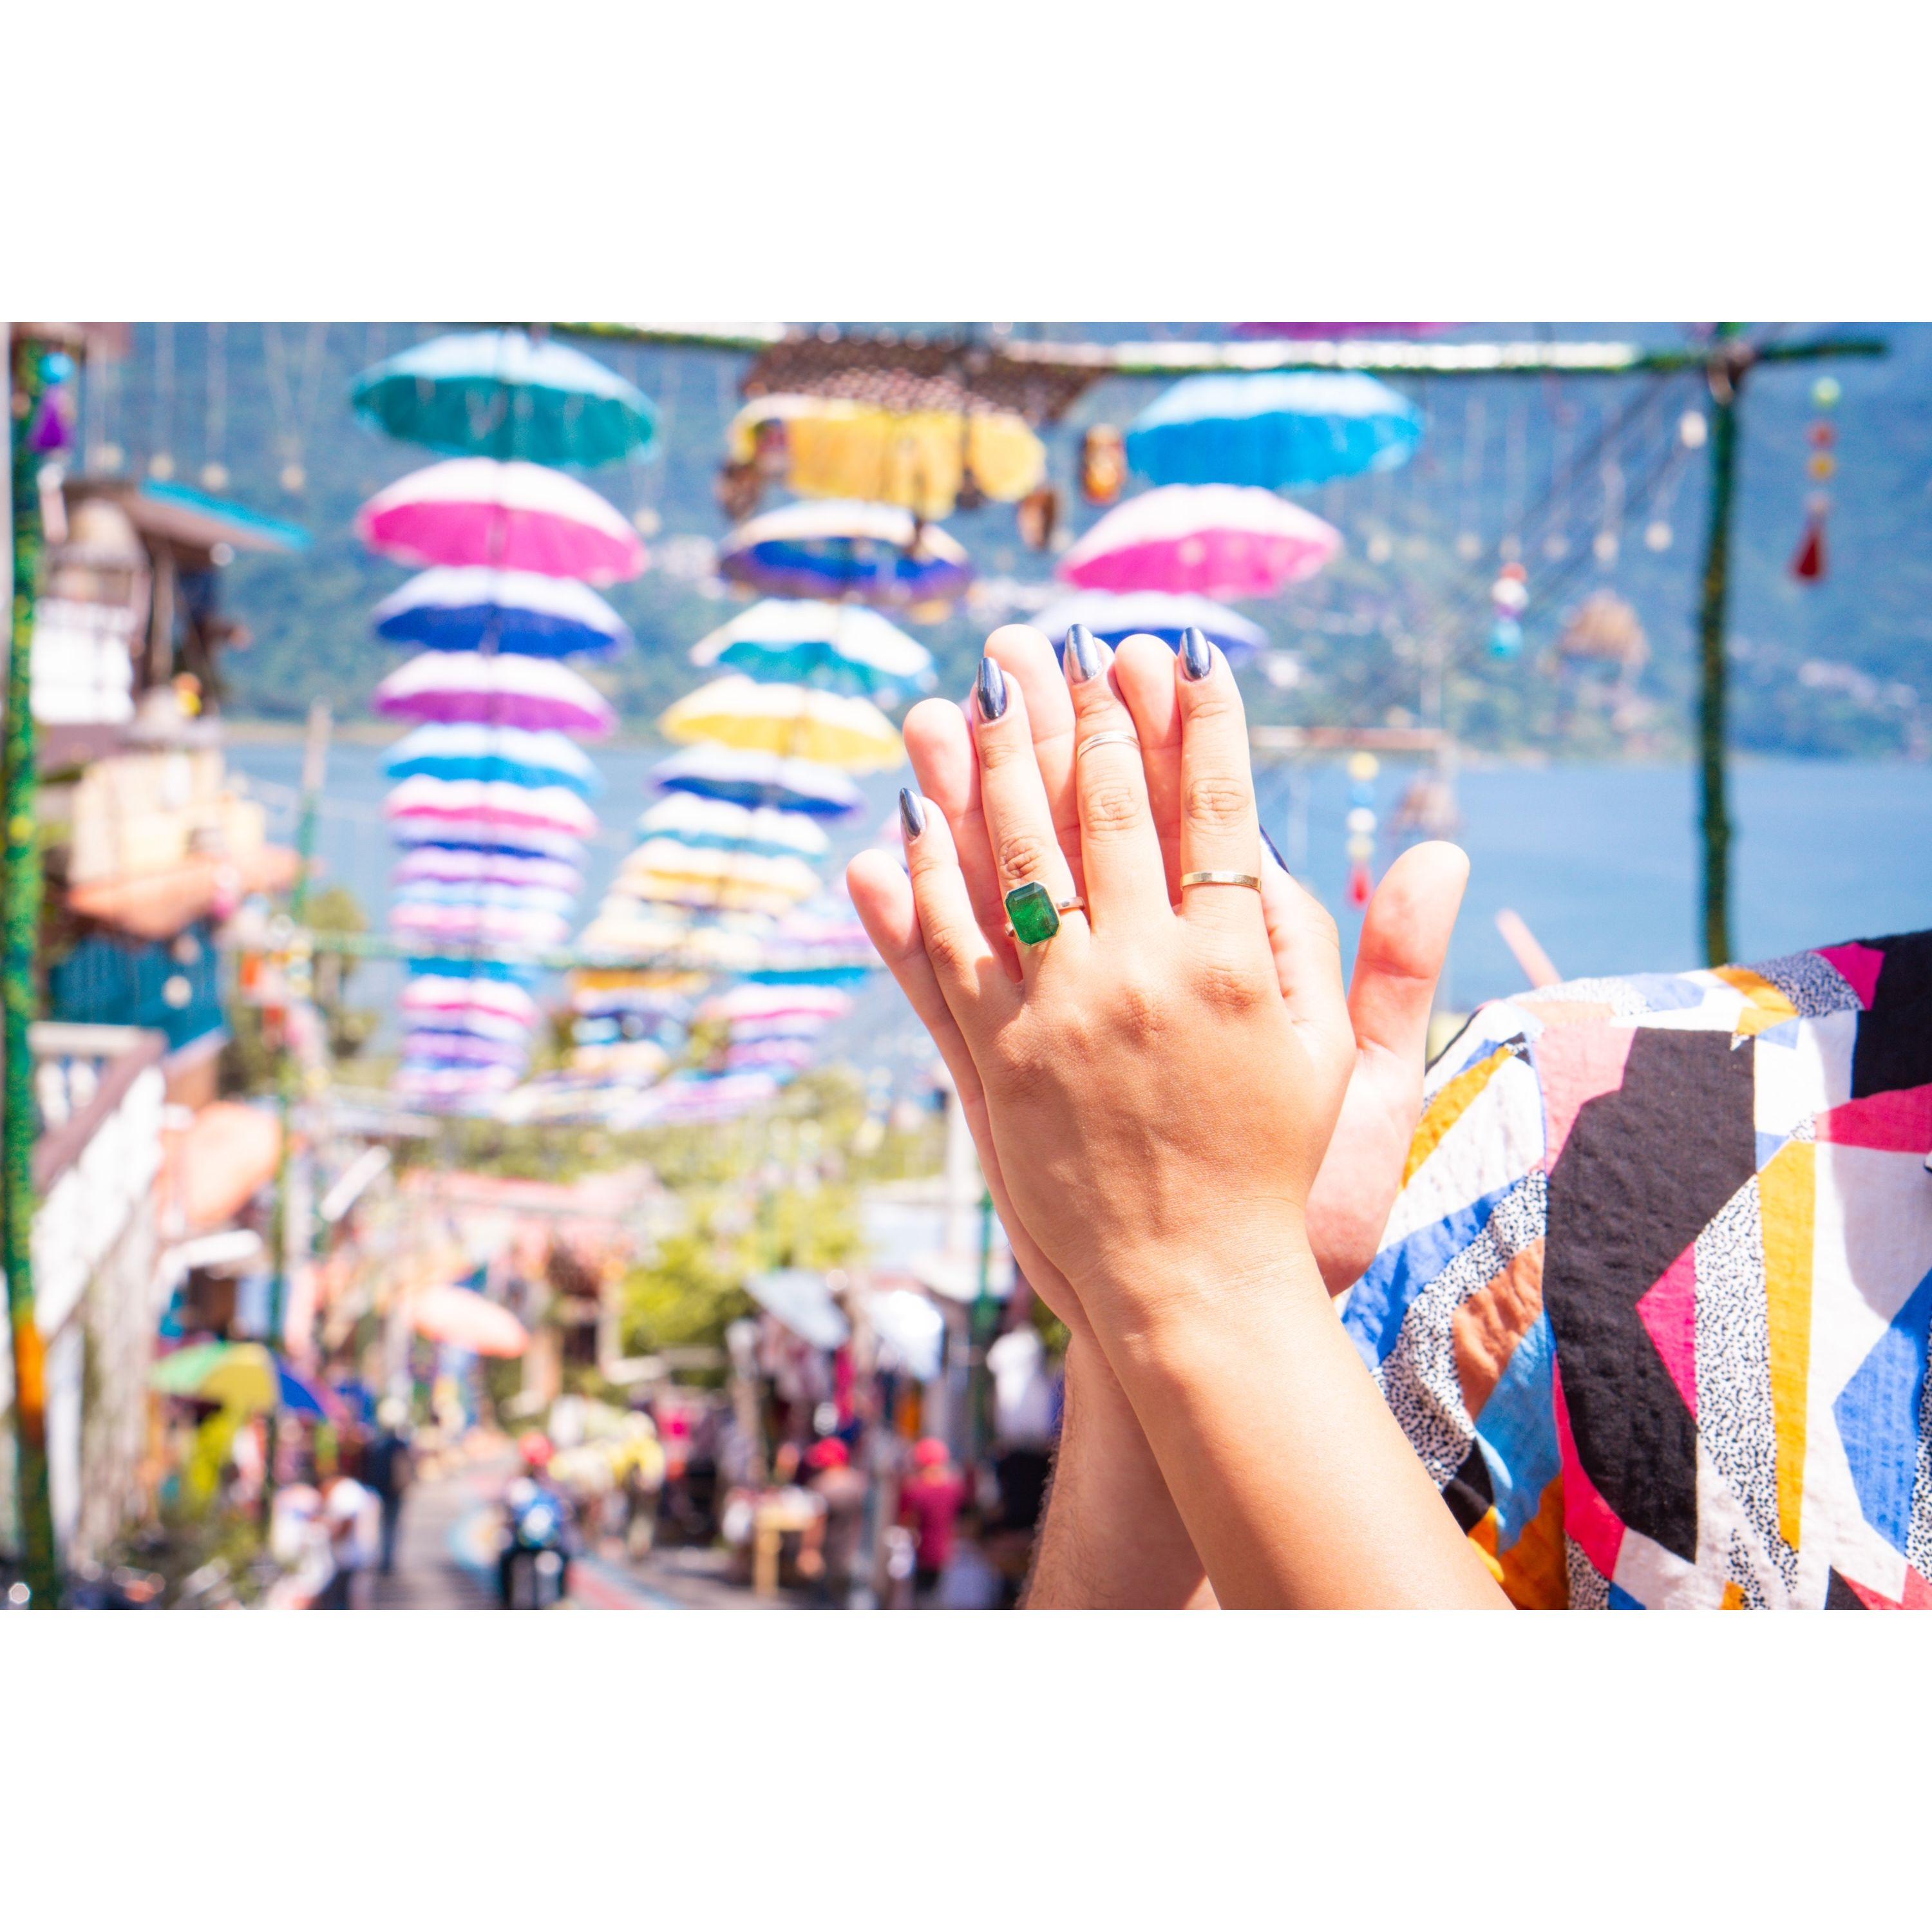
x=1147 y=1296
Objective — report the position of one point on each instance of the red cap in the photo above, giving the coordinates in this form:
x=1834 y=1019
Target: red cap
x=831 y=1453
x=929 y=1452
x=535 y=1449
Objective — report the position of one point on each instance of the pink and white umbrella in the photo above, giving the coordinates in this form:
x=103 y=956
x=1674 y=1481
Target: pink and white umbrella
x=751 y=1002
x=507 y=516
x=465 y=687
x=487 y=801
x=470 y=1049
x=432 y=1085
x=506 y=925
x=1211 y=539
x=447 y=866
x=431 y=994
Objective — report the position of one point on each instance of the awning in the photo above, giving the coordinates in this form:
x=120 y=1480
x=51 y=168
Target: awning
x=802 y=1302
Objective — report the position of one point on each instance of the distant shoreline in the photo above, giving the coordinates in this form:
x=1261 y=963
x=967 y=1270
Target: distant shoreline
x=377 y=731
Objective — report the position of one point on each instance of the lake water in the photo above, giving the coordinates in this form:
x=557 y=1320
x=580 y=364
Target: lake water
x=1601 y=860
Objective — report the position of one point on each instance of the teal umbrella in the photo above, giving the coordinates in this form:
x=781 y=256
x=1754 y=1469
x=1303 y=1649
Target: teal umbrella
x=501 y=393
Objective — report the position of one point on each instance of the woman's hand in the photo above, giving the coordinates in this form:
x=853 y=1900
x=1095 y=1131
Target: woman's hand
x=1404 y=942
x=1157 y=1084
x=1160 y=1082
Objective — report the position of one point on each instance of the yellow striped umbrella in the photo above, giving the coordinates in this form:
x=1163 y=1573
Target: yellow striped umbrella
x=792 y=720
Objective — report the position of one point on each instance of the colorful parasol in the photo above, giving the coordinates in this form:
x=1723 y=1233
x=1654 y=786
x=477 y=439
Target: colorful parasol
x=436 y=993
x=244 y=1376
x=432 y=1083
x=499 y=753
x=670 y=858
x=830 y=446
x=488 y=802
x=483 y=924
x=464 y=687
x=869 y=550
x=525 y=899
x=1276 y=431
x=734 y=828
x=1111 y=615
x=474 y=609
x=507 y=516
x=475 y=1022
x=839 y=646
x=450 y=1047
x=792 y=720
x=500 y=393
x=759 y=778
x=464 y=1319
x=457 y=865
x=741 y=1004
x=488 y=842
x=1212 y=539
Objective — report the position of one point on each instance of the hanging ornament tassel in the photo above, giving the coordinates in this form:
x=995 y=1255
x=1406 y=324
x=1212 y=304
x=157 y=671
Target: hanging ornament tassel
x=1808 y=565
x=1359 y=885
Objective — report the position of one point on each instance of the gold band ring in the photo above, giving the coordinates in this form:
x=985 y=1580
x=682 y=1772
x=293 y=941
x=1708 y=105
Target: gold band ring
x=1086 y=745
x=1247 y=879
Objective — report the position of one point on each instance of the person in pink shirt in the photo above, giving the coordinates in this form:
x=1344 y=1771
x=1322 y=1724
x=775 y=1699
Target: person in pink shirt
x=930 y=1501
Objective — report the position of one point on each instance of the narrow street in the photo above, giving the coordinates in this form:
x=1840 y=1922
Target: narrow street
x=445 y=1558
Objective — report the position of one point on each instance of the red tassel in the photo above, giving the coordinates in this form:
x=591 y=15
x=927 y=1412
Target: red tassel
x=1359 y=885
x=1808 y=565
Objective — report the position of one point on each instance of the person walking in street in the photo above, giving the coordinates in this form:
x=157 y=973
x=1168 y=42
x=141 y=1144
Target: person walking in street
x=930 y=1501
x=387 y=1467
x=830 y=1555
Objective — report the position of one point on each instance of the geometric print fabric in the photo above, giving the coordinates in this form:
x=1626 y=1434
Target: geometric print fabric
x=1654 y=1305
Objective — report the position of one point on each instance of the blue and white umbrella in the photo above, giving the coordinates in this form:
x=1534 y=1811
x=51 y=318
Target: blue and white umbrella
x=759 y=777
x=718 y=822
x=1111 y=615
x=1273 y=431
x=471 y=607
x=501 y=393
x=499 y=754
x=840 y=647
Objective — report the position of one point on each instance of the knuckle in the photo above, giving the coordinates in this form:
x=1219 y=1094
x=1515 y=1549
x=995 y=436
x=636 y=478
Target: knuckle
x=1023 y=855
x=999 y=749
x=1232 y=978
x=1210 y=704
x=1217 y=804
x=1110 y=805
x=1136 y=1008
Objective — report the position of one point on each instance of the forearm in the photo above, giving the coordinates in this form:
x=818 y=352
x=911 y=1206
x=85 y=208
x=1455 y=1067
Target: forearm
x=1292 y=1476
x=1110 y=1538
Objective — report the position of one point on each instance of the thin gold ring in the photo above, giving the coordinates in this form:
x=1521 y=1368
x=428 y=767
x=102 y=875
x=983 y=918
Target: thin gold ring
x=1247 y=879
x=1086 y=745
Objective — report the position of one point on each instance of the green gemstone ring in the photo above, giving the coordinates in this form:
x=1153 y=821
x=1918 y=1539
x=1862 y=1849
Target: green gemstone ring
x=1033 y=913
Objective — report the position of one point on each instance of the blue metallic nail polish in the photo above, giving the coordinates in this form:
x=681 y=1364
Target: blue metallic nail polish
x=992 y=689
x=912 y=814
x=1197 y=654
x=1083 y=654
x=1273 y=850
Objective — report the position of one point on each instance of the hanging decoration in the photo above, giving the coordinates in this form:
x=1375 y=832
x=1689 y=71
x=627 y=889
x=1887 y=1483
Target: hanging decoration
x=1276 y=431
x=1103 y=464
x=928 y=461
x=1361 y=847
x=489 y=803
x=1807 y=565
x=1509 y=597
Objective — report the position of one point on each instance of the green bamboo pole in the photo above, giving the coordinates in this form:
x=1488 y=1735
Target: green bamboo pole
x=20 y=897
x=300 y=971
x=1726 y=379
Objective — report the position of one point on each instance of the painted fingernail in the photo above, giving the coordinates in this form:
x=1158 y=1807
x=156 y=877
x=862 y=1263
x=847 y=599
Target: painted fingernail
x=992 y=688
x=1083 y=654
x=1274 y=851
x=1197 y=654
x=912 y=814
